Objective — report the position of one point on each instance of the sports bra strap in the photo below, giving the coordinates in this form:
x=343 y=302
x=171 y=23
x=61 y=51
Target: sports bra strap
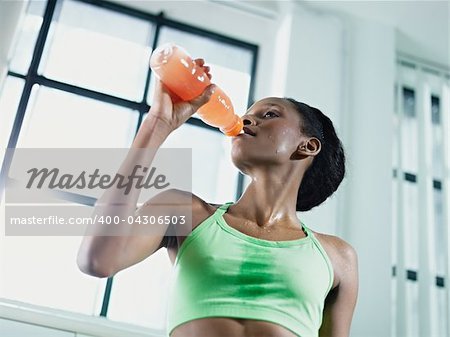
x=222 y=209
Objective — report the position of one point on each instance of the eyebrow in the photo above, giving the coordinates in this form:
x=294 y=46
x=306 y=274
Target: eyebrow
x=270 y=105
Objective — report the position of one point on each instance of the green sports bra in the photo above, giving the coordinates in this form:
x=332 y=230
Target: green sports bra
x=222 y=272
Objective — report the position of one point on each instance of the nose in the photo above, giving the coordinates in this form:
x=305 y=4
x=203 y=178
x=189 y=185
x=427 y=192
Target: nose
x=247 y=120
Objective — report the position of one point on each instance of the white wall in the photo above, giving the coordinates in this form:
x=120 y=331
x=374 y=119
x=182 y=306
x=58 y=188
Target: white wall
x=11 y=12
x=315 y=77
x=367 y=219
x=422 y=26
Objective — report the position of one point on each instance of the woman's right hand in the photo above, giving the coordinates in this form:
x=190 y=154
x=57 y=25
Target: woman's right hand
x=170 y=109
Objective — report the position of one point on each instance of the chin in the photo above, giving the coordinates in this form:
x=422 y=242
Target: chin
x=240 y=160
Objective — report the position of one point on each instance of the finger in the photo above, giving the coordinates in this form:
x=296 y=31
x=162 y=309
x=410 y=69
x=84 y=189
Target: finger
x=200 y=62
x=204 y=97
x=158 y=87
x=206 y=69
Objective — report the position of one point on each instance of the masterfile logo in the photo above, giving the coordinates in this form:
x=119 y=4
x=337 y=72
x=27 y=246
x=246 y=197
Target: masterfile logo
x=59 y=191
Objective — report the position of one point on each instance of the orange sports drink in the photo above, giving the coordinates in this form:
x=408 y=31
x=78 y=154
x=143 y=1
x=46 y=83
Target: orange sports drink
x=183 y=77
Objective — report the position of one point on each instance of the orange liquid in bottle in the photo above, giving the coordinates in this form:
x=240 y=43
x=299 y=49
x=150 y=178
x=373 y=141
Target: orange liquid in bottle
x=176 y=69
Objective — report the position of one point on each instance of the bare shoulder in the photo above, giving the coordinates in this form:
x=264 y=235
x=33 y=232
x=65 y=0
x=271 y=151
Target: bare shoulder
x=340 y=246
x=199 y=207
x=176 y=197
x=341 y=300
x=201 y=210
x=343 y=255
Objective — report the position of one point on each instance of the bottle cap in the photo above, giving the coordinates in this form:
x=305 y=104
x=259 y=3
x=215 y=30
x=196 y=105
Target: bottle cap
x=235 y=129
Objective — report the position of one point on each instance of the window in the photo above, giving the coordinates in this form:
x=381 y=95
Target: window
x=111 y=58
x=421 y=202
x=83 y=81
x=75 y=121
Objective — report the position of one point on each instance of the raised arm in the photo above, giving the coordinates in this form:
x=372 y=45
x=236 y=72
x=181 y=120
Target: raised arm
x=103 y=255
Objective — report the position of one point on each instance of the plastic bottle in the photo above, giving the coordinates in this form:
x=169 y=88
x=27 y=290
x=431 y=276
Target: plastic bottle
x=182 y=76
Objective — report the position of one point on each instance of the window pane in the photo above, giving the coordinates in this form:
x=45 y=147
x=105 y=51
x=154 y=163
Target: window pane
x=409 y=144
x=214 y=176
x=139 y=294
x=394 y=242
x=442 y=317
x=232 y=57
x=230 y=65
x=98 y=49
x=24 y=47
x=412 y=308
x=438 y=150
x=409 y=102
x=43 y=271
x=59 y=119
x=435 y=111
x=411 y=225
x=439 y=233
x=9 y=102
x=395 y=147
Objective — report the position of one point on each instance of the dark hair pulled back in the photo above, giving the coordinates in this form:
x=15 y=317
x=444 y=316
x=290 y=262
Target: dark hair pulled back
x=327 y=170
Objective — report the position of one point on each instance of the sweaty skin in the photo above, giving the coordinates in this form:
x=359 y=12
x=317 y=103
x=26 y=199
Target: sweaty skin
x=275 y=158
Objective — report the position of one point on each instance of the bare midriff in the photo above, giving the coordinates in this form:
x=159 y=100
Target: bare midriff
x=230 y=327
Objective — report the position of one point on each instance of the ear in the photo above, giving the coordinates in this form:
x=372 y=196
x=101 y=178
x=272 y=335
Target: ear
x=309 y=147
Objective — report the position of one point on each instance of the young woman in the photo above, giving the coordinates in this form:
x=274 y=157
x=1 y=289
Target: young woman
x=249 y=268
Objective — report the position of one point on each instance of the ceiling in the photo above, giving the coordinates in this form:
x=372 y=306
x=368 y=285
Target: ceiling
x=422 y=27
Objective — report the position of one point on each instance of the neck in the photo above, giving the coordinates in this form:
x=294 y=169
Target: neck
x=270 y=199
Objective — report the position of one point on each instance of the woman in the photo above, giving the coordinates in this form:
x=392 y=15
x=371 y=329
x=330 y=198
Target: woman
x=248 y=268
